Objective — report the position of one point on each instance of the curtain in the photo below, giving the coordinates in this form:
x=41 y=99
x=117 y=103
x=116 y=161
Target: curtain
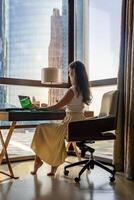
x=124 y=144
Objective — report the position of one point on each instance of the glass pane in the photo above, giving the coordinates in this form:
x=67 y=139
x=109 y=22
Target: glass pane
x=103 y=149
x=104 y=38
x=97 y=43
x=35 y=36
x=81 y=31
x=97 y=93
x=20 y=142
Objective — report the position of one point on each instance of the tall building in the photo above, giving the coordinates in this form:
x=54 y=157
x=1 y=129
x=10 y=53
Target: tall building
x=58 y=49
x=55 y=52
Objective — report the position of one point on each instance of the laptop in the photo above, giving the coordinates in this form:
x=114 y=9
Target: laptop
x=25 y=102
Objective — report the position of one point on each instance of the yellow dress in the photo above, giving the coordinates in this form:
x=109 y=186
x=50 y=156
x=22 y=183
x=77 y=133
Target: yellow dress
x=49 y=139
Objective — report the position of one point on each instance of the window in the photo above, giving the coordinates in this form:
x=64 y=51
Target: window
x=97 y=43
x=33 y=35
x=104 y=44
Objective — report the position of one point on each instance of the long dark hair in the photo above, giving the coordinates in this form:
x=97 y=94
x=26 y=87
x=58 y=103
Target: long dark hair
x=81 y=81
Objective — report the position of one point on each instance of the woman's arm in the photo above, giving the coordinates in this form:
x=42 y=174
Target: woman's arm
x=64 y=101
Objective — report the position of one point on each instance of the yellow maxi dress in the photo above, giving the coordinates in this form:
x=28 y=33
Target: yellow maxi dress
x=49 y=139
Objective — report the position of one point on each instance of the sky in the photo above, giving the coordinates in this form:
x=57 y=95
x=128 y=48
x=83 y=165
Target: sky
x=104 y=38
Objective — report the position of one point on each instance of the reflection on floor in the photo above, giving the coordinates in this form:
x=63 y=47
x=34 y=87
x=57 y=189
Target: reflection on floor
x=94 y=185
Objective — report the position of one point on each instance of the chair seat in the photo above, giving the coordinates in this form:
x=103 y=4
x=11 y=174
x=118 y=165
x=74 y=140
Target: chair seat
x=92 y=129
x=103 y=136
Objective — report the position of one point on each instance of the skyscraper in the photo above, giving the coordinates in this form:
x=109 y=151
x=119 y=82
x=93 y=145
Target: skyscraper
x=58 y=49
x=55 y=54
x=55 y=51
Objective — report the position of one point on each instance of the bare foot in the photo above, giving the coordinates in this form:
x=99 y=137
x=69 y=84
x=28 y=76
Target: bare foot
x=37 y=165
x=53 y=171
x=50 y=174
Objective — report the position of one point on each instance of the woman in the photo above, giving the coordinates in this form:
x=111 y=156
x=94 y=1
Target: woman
x=49 y=139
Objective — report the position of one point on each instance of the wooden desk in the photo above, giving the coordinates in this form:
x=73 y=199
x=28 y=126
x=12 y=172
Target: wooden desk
x=22 y=115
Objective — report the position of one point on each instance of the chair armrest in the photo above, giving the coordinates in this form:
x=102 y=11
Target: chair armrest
x=91 y=129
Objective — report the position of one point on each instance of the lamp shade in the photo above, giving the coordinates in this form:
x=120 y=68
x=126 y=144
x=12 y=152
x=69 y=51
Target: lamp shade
x=51 y=75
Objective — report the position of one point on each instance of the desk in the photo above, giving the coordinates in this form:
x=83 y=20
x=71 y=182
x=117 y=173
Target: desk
x=22 y=115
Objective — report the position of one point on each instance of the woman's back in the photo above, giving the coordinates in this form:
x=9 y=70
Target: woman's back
x=76 y=104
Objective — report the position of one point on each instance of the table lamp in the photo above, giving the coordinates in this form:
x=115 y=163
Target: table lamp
x=51 y=75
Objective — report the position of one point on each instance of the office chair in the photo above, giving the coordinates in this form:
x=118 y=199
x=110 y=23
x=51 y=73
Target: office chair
x=95 y=129
x=73 y=144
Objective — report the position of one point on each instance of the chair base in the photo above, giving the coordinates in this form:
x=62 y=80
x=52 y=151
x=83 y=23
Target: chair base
x=89 y=164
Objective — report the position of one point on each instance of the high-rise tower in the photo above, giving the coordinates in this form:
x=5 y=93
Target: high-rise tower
x=55 y=52
x=58 y=48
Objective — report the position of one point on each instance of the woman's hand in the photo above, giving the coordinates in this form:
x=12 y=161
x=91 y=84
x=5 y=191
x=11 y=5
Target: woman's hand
x=43 y=105
x=36 y=105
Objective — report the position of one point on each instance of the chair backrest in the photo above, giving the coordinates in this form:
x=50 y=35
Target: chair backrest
x=109 y=104
x=97 y=127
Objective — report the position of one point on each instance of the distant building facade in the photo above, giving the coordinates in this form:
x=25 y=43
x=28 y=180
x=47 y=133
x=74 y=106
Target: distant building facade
x=58 y=49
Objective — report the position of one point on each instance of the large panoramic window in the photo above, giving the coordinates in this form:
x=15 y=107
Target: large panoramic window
x=36 y=37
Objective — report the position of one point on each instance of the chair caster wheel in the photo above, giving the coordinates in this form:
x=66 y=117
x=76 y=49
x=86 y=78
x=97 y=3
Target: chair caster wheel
x=66 y=172
x=91 y=166
x=112 y=179
x=77 y=180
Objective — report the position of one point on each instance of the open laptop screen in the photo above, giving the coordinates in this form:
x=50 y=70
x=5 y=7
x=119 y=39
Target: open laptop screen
x=25 y=101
